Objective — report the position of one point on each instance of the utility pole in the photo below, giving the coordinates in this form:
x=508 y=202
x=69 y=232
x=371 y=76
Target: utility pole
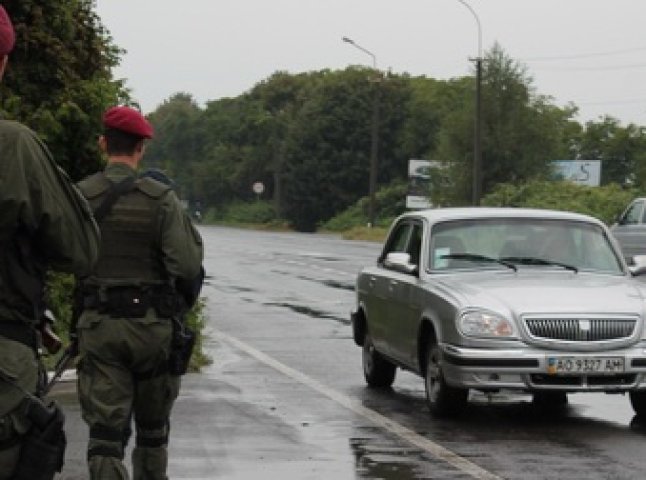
x=477 y=141
x=476 y=189
x=374 y=148
x=374 y=141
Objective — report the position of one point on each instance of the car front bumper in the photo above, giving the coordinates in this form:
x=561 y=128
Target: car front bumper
x=527 y=369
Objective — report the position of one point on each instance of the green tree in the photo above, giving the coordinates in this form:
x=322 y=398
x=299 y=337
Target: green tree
x=522 y=132
x=620 y=149
x=59 y=79
x=179 y=140
x=604 y=203
x=328 y=160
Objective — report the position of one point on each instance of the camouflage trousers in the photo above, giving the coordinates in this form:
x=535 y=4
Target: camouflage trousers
x=20 y=361
x=123 y=377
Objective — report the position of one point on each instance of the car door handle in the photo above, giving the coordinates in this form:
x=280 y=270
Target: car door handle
x=393 y=284
x=371 y=282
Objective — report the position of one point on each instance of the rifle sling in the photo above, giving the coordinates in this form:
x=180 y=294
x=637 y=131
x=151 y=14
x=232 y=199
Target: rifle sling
x=116 y=190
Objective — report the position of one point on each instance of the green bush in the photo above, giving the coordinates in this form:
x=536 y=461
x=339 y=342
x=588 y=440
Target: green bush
x=58 y=298
x=604 y=203
x=195 y=321
x=390 y=202
x=258 y=212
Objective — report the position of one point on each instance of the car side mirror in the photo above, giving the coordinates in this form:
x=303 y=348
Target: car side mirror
x=400 y=261
x=638 y=265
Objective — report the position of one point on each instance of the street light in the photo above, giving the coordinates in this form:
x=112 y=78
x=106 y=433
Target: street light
x=477 y=142
x=374 y=140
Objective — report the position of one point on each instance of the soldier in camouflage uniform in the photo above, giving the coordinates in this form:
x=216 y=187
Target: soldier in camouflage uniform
x=44 y=222
x=125 y=331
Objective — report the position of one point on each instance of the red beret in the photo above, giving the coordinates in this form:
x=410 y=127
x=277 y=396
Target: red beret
x=7 y=35
x=127 y=120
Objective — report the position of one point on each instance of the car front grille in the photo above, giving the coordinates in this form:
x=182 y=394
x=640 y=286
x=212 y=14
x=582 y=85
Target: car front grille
x=581 y=329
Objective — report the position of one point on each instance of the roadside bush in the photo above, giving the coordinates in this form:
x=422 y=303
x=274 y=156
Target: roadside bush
x=195 y=321
x=257 y=212
x=58 y=298
x=390 y=202
x=605 y=202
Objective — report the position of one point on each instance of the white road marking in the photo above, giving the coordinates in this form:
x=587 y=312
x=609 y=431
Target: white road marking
x=401 y=431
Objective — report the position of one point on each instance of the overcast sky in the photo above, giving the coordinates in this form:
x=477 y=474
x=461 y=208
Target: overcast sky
x=590 y=52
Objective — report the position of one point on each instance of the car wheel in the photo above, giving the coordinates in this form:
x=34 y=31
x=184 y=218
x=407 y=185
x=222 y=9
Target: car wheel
x=638 y=401
x=550 y=400
x=442 y=399
x=378 y=371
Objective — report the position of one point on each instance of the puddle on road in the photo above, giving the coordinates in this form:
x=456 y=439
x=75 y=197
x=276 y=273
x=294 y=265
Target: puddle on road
x=340 y=285
x=233 y=289
x=319 y=256
x=329 y=283
x=373 y=459
x=310 y=312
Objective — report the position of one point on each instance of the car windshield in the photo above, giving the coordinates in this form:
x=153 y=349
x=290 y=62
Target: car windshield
x=525 y=242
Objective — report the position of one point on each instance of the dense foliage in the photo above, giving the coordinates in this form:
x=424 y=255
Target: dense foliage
x=59 y=79
x=604 y=203
x=306 y=137
x=389 y=203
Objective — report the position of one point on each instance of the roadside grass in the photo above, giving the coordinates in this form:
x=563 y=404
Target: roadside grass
x=374 y=234
x=274 y=226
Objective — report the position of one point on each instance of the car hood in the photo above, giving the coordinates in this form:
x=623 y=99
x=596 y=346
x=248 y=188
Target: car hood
x=528 y=291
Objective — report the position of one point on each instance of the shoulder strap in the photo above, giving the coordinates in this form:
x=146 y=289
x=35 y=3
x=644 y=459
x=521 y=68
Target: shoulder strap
x=116 y=190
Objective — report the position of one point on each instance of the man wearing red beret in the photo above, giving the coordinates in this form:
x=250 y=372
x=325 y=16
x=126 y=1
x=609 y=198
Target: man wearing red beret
x=44 y=223
x=131 y=301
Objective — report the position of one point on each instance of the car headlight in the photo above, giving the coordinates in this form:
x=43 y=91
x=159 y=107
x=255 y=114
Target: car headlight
x=481 y=323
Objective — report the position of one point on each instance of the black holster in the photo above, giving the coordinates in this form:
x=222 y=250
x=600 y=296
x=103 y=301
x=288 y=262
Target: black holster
x=181 y=348
x=43 y=449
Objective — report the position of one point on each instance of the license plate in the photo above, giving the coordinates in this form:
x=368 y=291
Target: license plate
x=583 y=365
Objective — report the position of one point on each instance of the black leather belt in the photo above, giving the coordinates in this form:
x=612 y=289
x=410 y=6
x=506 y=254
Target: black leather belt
x=130 y=302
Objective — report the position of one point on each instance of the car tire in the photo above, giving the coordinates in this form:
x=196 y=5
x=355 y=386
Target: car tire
x=638 y=402
x=378 y=371
x=550 y=400
x=442 y=399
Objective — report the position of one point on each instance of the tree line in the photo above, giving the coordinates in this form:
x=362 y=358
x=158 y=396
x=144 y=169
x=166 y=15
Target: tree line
x=59 y=79
x=305 y=136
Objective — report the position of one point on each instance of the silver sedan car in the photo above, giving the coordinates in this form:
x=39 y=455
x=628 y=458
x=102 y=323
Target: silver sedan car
x=501 y=298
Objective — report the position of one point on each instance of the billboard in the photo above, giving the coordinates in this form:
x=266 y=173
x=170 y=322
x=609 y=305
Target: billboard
x=583 y=172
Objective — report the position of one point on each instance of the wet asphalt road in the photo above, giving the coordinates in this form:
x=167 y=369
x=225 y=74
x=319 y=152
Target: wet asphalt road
x=285 y=396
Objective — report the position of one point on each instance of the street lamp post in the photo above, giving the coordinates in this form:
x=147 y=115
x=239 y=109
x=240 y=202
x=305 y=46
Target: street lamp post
x=374 y=144
x=476 y=191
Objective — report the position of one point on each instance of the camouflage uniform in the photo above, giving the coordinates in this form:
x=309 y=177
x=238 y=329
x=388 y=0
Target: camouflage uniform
x=148 y=243
x=44 y=222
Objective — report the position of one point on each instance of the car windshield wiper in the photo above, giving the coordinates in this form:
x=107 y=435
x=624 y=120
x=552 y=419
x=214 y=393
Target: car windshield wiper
x=479 y=258
x=539 y=261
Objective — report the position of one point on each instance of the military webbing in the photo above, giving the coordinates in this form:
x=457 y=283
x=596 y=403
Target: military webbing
x=111 y=198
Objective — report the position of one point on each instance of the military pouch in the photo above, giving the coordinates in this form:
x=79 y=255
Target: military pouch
x=181 y=350
x=126 y=303
x=43 y=449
